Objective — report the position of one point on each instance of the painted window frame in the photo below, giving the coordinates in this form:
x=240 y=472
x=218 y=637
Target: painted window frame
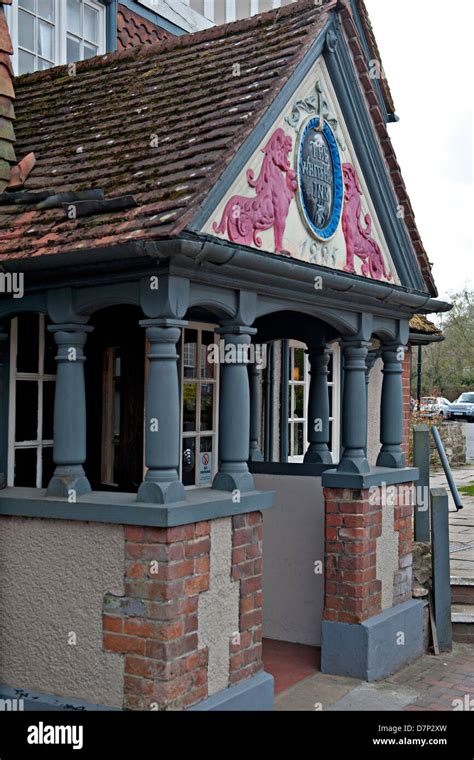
x=200 y=327
x=60 y=30
x=335 y=395
x=40 y=378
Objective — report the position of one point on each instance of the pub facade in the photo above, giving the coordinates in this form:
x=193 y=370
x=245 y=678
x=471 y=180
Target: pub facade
x=210 y=266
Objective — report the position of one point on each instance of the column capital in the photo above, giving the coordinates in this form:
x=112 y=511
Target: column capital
x=163 y=322
x=70 y=327
x=236 y=329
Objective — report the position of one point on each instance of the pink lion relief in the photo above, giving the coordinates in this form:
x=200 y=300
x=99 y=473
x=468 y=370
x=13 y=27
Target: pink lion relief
x=358 y=237
x=243 y=218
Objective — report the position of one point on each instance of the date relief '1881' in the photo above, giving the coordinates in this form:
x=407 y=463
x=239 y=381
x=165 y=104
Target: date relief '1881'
x=243 y=218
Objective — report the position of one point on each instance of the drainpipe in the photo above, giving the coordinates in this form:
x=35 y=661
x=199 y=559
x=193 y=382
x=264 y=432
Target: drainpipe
x=418 y=376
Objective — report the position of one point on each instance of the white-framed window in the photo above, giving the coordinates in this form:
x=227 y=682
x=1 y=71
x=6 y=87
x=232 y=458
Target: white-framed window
x=31 y=406
x=47 y=33
x=299 y=379
x=199 y=406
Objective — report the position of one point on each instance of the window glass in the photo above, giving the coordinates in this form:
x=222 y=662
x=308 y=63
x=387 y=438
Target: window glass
x=26 y=62
x=48 y=466
x=189 y=407
x=48 y=409
x=26 y=410
x=28 y=4
x=26 y=30
x=25 y=468
x=33 y=389
x=199 y=384
x=189 y=462
x=74 y=17
x=28 y=343
x=73 y=49
x=46 y=9
x=91 y=22
x=207 y=406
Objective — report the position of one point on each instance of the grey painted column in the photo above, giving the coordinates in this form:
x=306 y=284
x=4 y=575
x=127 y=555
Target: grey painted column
x=391 y=409
x=162 y=414
x=421 y=460
x=234 y=414
x=354 y=408
x=3 y=404
x=255 y=454
x=318 y=407
x=69 y=451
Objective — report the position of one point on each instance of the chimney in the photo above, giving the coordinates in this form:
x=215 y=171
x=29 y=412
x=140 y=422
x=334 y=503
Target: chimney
x=7 y=96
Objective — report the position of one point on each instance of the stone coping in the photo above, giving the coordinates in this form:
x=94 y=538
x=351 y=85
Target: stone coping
x=124 y=509
x=375 y=477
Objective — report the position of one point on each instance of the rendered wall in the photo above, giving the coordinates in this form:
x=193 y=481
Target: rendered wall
x=293 y=540
x=373 y=416
x=54 y=576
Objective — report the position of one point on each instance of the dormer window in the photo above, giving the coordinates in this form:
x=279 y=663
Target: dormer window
x=47 y=33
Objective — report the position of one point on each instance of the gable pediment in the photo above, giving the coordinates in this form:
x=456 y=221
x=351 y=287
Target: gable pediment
x=303 y=194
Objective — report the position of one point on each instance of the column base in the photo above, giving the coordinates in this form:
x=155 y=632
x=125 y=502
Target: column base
x=391 y=459
x=376 y=648
x=168 y=492
x=255 y=455
x=318 y=456
x=355 y=464
x=67 y=479
x=233 y=481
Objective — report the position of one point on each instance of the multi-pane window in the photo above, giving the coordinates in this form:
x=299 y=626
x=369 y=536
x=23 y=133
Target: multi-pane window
x=299 y=379
x=32 y=384
x=36 y=35
x=83 y=28
x=199 y=391
x=47 y=33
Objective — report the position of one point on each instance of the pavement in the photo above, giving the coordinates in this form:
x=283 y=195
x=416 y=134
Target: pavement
x=461 y=524
x=432 y=683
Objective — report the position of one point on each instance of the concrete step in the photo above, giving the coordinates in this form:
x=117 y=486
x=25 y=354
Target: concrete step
x=462 y=618
x=462 y=590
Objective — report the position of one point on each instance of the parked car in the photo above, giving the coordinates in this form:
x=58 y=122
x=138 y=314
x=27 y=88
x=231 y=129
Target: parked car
x=463 y=408
x=435 y=406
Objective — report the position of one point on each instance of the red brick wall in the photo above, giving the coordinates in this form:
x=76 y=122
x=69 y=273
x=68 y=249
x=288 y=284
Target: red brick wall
x=132 y=29
x=246 y=654
x=156 y=624
x=352 y=525
x=352 y=591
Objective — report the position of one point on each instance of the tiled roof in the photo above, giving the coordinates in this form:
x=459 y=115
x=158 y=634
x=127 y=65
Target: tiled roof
x=133 y=29
x=420 y=324
x=7 y=96
x=374 y=49
x=160 y=122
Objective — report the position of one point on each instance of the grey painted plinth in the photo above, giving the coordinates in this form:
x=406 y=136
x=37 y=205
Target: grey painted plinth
x=255 y=694
x=377 y=476
x=375 y=648
x=28 y=700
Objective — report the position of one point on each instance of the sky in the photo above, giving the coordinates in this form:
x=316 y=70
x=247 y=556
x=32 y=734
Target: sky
x=426 y=48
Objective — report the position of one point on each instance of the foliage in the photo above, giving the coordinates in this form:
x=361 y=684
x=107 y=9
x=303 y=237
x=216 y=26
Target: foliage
x=448 y=367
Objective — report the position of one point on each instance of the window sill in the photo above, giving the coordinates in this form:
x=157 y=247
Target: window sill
x=123 y=509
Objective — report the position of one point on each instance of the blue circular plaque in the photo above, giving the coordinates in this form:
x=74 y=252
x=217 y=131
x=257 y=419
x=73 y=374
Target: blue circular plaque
x=320 y=179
